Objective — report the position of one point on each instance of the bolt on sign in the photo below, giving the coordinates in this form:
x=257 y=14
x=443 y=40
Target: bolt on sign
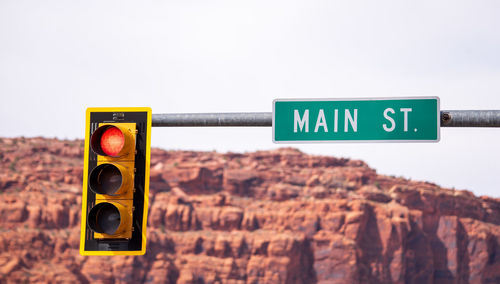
x=412 y=119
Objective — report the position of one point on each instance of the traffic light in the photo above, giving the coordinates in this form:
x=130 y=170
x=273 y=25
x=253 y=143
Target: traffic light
x=115 y=181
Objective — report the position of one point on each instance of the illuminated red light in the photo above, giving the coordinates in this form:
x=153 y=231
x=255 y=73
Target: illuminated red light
x=112 y=141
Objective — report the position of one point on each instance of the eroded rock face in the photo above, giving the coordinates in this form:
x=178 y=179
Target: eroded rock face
x=266 y=217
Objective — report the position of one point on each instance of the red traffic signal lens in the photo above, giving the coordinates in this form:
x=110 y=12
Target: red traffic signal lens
x=108 y=140
x=112 y=141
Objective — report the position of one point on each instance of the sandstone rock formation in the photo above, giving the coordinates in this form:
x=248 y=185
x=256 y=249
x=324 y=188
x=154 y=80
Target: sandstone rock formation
x=277 y=216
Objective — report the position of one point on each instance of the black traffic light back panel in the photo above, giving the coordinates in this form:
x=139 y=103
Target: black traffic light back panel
x=141 y=162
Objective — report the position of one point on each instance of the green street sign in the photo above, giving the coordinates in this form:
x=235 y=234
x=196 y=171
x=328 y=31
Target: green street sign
x=415 y=119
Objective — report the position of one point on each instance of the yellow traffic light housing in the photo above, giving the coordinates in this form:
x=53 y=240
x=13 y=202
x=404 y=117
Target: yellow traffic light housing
x=116 y=181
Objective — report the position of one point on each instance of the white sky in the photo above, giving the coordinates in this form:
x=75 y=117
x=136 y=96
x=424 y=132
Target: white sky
x=59 y=57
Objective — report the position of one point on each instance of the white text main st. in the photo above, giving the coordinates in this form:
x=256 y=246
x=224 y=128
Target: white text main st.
x=350 y=121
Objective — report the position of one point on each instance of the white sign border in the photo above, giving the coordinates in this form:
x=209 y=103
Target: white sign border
x=360 y=99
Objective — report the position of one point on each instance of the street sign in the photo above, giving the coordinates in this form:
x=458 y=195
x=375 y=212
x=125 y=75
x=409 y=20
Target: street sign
x=413 y=119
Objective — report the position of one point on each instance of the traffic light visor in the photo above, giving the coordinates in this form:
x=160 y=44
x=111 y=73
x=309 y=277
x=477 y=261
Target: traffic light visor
x=108 y=140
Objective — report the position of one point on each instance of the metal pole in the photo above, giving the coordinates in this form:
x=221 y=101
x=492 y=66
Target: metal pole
x=213 y=119
x=449 y=118
x=470 y=118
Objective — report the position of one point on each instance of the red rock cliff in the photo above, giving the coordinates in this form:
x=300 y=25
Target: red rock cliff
x=264 y=217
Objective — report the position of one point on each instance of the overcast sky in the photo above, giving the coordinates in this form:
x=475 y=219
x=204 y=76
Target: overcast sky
x=59 y=57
